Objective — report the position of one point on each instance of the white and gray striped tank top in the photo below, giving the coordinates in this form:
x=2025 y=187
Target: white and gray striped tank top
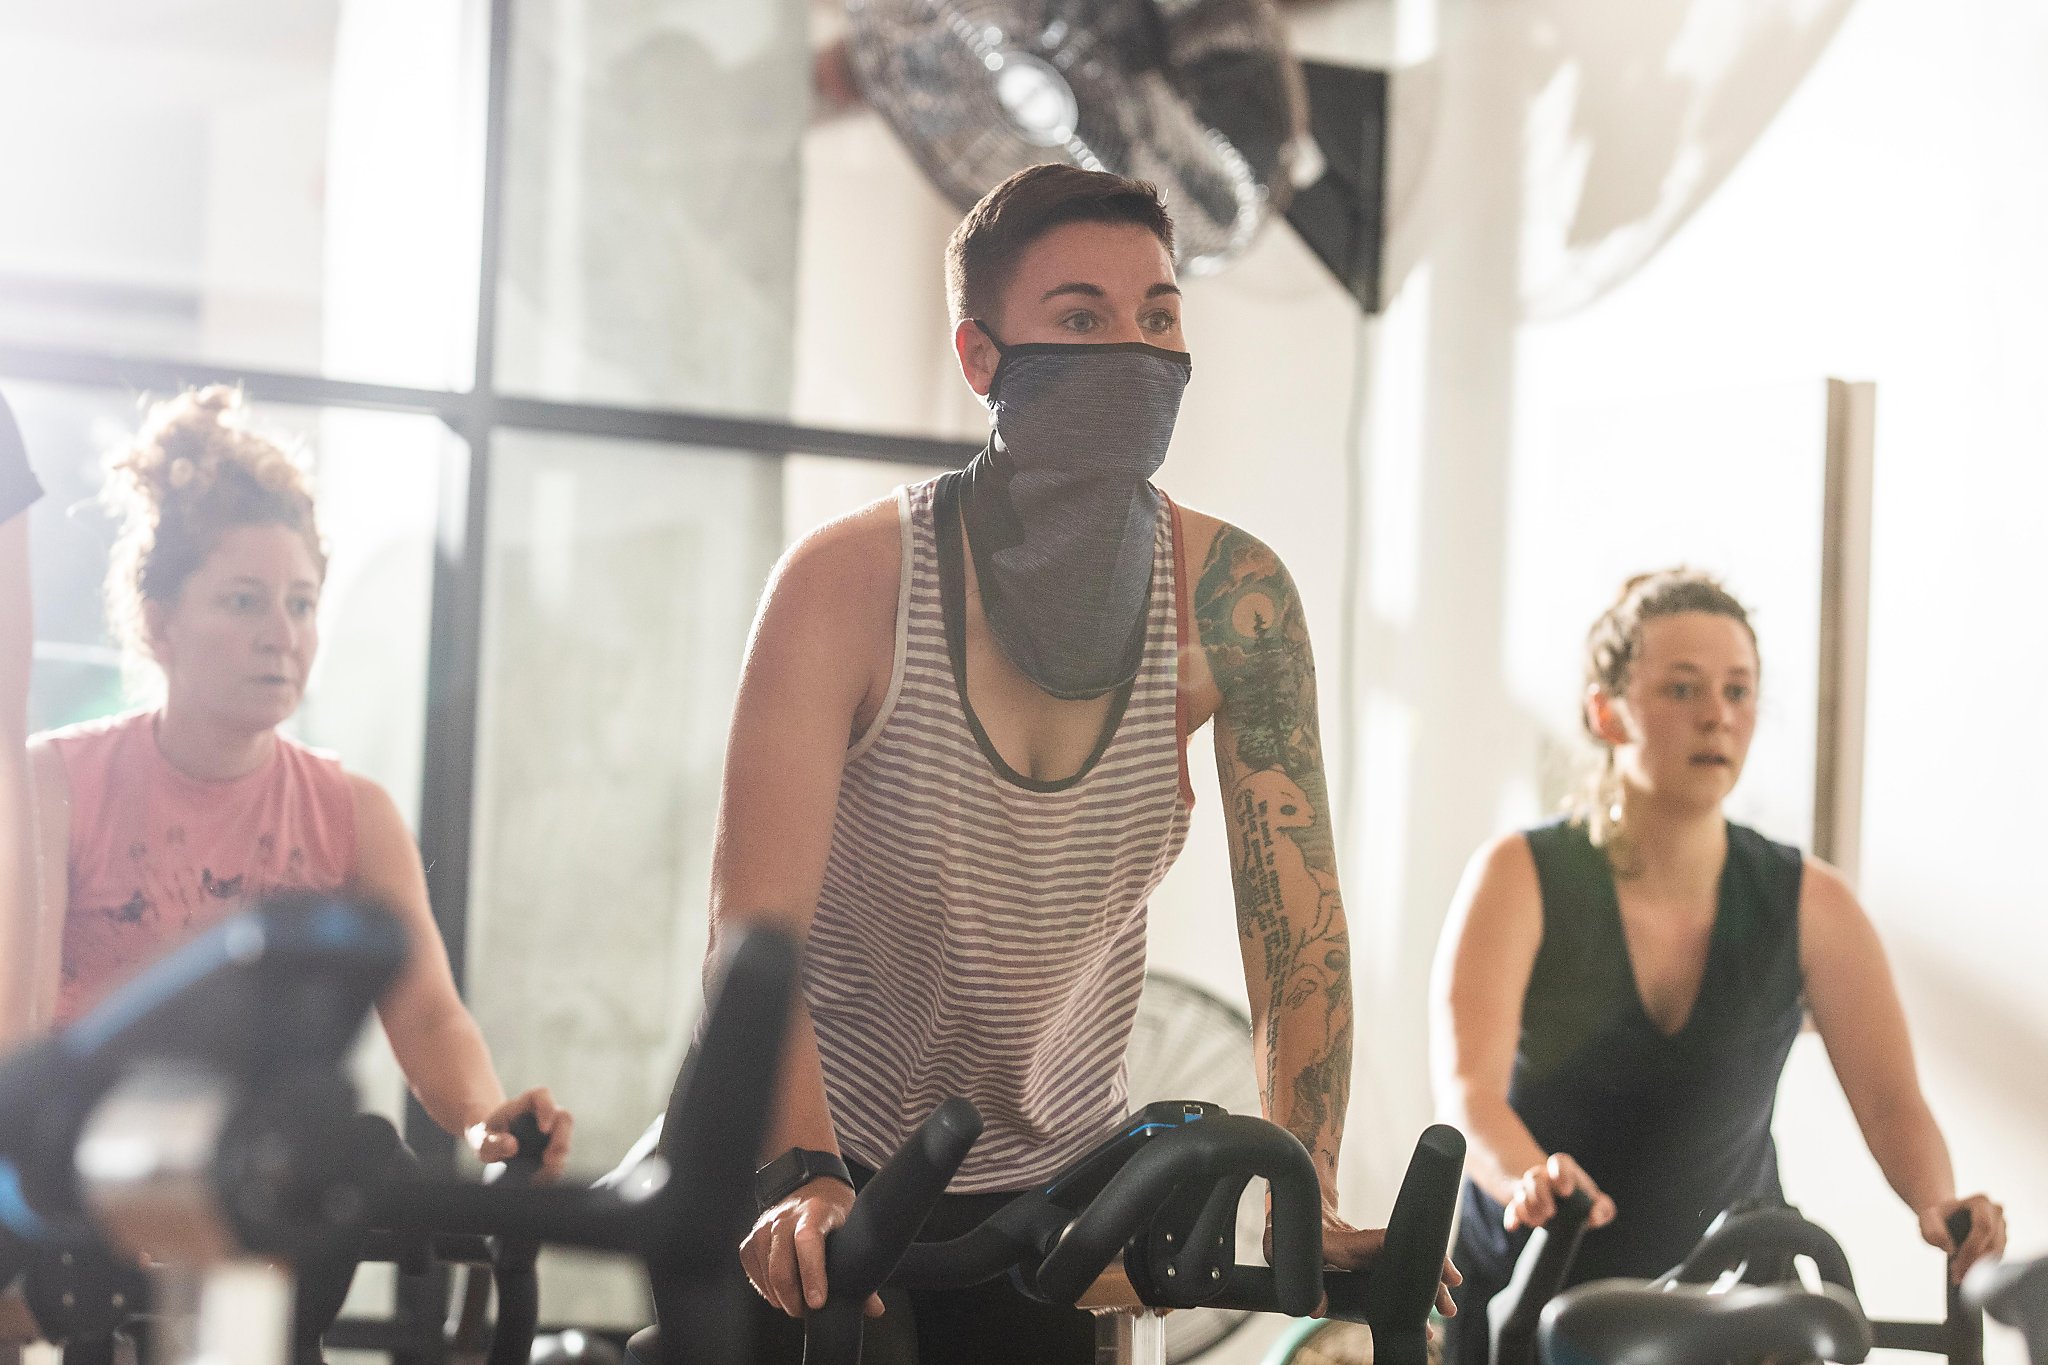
x=979 y=933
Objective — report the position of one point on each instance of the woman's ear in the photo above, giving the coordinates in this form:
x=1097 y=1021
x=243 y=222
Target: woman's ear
x=1605 y=718
x=978 y=355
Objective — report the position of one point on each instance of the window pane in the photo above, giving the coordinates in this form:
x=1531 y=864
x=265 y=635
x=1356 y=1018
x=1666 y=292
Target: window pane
x=292 y=187
x=651 y=203
x=621 y=580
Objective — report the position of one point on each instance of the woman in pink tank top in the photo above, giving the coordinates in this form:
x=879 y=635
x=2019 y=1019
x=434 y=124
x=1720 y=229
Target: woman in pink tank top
x=168 y=820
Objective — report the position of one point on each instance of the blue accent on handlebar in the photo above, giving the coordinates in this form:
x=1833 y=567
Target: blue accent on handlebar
x=15 y=1213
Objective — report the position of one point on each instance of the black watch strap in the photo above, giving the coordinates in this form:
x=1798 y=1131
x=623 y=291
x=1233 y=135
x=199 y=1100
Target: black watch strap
x=793 y=1170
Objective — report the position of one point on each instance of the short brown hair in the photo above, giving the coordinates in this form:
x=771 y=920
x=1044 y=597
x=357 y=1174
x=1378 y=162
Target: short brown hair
x=194 y=472
x=1013 y=215
x=1612 y=646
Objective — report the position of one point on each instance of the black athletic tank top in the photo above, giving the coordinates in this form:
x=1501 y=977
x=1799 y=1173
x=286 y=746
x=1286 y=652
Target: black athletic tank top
x=1675 y=1128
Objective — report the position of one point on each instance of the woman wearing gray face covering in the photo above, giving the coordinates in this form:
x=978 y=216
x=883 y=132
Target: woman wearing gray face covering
x=957 y=767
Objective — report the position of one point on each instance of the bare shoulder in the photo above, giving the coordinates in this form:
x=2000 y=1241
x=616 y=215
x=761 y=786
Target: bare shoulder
x=848 y=567
x=1240 y=589
x=1500 y=887
x=1244 y=608
x=1830 y=915
x=1211 y=541
x=371 y=799
x=825 y=632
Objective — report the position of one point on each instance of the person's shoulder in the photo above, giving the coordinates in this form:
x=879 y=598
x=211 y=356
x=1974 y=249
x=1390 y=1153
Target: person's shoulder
x=1825 y=894
x=1209 y=540
x=837 y=585
x=1761 y=847
x=324 y=773
x=368 y=797
x=1506 y=863
x=100 y=733
x=853 y=556
x=1566 y=836
x=1780 y=875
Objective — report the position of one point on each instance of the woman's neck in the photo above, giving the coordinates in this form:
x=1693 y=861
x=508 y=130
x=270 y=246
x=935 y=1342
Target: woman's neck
x=1678 y=849
x=200 y=747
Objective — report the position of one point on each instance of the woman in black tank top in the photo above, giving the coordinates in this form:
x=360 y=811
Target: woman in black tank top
x=1616 y=993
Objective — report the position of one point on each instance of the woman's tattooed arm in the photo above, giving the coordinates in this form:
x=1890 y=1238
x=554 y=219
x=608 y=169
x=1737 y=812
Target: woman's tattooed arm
x=1290 y=915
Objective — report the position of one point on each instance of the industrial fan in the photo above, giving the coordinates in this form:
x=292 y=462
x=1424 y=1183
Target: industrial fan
x=1189 y=1045
x=1201 y=97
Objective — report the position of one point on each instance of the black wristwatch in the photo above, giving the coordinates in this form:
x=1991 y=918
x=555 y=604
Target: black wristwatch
x=793 y=1170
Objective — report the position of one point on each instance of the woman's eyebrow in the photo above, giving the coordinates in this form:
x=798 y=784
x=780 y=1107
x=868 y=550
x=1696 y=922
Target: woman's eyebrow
x=1093 y=291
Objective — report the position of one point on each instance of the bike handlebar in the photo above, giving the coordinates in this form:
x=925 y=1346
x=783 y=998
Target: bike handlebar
x=1168 y=1207
x=891 y=1210
x=1227 y=1150
x=1539 y=1274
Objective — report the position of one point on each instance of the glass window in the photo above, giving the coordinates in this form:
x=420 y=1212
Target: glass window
x=651 y=199
x=291 y=187
x=621 y=580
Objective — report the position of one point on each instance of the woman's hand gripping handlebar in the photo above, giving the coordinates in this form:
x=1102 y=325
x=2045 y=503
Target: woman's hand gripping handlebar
x=864 y=1251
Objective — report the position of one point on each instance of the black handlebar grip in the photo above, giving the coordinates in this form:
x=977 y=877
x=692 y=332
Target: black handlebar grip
x=1540 y=1272
x=892 y=1207
x=1402 y=1286
x=886 y=1217
x=515 y=1260
x=1963 y=1324
x=525 y=1163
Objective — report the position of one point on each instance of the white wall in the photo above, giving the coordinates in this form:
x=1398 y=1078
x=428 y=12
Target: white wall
x=1599 y=203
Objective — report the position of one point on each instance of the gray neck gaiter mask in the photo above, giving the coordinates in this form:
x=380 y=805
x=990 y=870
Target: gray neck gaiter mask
x=1059 y=509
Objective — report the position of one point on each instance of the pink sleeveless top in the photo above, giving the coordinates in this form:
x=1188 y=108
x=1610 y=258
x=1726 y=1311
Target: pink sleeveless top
x=158 y=857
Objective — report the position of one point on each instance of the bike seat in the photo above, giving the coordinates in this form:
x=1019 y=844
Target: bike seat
x=1626 y=1322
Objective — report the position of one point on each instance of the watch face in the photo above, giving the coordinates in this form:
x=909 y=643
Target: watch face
x=779 y=1178
x=793 y=1170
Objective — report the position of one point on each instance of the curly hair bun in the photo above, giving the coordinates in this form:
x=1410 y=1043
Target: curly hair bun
x=194 y=471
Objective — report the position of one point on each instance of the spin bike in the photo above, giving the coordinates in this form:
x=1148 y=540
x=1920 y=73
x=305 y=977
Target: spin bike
x=1755 y=1246
x=198 y=1117
x=1145 y=1221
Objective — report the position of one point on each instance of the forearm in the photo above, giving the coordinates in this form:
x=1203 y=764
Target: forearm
x=1306 y=1079
x=1908 y=1147
x=447 y=1065
x=1499 y=1146
x=802 y=1116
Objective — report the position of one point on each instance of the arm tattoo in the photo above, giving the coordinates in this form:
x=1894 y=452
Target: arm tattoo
x=1289 y=911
